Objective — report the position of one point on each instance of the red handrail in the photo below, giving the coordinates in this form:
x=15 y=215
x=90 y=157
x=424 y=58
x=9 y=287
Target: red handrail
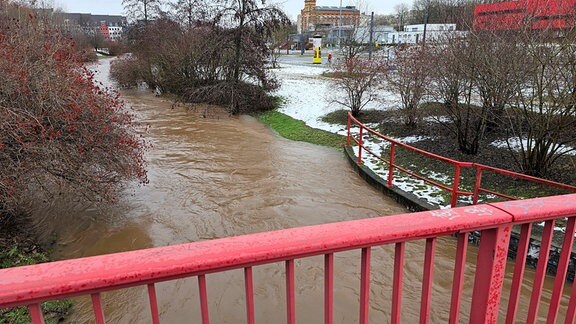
x=31 y=285
x=458 y=165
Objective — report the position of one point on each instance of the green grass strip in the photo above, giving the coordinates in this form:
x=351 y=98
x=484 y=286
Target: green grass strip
x=297 y=130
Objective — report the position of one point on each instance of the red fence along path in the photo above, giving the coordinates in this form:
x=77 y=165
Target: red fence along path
x=455 y=187
x=31 y=285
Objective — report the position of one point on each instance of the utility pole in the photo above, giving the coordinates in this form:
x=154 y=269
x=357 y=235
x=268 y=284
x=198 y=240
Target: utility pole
x=340 y=26
x=371 y=36
x=425 y=27
x=426 y=23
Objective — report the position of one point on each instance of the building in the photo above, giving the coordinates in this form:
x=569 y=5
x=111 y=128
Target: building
x=360 y=34
x=110 y=27
x=314 y=18
x=534 y=14
x=414 y=34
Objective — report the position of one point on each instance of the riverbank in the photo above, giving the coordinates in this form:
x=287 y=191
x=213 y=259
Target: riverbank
x=19 y=247
x=296 y=130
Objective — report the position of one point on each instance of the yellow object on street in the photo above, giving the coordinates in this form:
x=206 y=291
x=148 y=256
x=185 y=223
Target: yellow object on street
x=317 y=56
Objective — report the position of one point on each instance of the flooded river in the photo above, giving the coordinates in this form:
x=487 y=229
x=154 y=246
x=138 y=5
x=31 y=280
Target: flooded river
x=217 y=177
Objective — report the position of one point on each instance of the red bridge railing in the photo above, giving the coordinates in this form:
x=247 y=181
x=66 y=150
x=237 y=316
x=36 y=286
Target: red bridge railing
x=32 y=285
x=455 y=187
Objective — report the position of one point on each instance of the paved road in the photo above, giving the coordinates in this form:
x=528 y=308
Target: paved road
x=294 y=58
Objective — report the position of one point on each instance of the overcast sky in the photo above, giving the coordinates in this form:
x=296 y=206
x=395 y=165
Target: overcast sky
x=292 y=7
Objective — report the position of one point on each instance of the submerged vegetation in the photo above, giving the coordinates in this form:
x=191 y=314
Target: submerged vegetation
x=217 y=53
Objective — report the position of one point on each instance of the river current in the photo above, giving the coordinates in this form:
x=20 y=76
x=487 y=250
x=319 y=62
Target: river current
x=217 y=176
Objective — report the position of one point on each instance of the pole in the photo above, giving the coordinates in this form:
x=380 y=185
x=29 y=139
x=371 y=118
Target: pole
x=425 y=27
x=287 y=44
x=340 y=26
x=371 y=35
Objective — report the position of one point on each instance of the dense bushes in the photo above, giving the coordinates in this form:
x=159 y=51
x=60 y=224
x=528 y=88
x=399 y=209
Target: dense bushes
x=58 y=131
x=218 y=59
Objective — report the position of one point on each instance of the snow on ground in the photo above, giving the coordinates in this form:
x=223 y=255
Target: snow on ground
x=309 y=96
x=515 y=144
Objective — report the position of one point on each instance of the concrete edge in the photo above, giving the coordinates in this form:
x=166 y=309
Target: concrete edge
x=407 y=199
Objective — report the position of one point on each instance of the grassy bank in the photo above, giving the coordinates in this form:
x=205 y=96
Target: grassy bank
x=18 y=249
x=297 y=130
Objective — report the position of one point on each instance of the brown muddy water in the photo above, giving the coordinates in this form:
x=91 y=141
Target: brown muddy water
x=218 y=177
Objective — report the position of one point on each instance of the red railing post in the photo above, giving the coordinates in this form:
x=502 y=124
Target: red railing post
x=365 y=286
x=36 y=313
x=360 y=143
x=290 y=295
x=540 y=275
x=455 y=186
x=490 y=271
x=391 y=166
x=397 y=282
x=561 y=270
x=329 y=288
x=249 y=283
x=98 y=310
x=477 y=184
x=348 y=127
x=519 y=267
x=427 y=280
x=458 y=277
x=202 y=290
x=153 y=304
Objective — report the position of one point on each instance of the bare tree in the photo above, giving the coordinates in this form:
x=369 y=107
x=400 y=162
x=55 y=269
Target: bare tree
x=451 y=72
x=402 y=12
x=187 y=12
x=142 y=9
x=250 y=24
x=410 y=80
x=542 y=118
x=360 y=79
x=221 y=59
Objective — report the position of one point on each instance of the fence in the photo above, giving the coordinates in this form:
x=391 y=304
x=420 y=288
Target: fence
x=31 y=285
x=455 y=188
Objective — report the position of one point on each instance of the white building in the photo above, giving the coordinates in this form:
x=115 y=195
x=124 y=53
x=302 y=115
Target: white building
x=414 y=34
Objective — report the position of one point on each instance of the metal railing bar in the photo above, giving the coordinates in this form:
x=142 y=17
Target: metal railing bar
x=540 y=275
x=495 y=193
x=365 y=286
x=561 y=271
x=249 y=283
x=460 y=164
x=427 y=280
x=203 y=257
x=203 y=299
x=97 y=307
x=290 y=295
x=458 y=277
x=397 y=282
x=36 y=313
x=153 y=304
x=328 y=288
x=418 y=176
x=518 y=277
x=571 y=310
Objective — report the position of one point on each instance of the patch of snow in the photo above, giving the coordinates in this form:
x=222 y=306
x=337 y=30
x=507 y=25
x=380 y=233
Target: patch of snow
x=412 y=139
x=516 y=144
x=437 y=119
x=309 y=96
